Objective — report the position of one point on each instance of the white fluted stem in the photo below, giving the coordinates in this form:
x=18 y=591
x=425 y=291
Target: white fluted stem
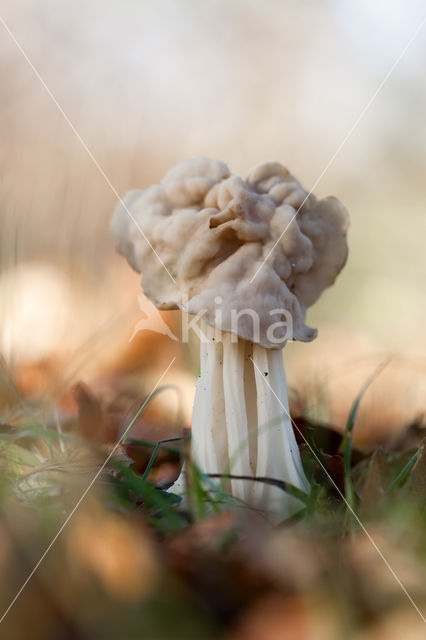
x=277 y=451
x=236 y=415
x=209 y=437
x=241 y=422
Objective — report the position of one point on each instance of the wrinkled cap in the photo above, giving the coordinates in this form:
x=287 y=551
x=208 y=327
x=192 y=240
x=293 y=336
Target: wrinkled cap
x=213 y=230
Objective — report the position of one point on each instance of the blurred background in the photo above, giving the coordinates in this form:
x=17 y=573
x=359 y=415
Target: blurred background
x=147 y=84
x=144 y=85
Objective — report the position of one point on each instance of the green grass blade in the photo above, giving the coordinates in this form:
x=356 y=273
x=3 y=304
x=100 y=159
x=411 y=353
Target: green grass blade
x=346 y=445
x=153 y=498
x=311 y=501
x=280 y=484
x=403 y=474
x=151 y=444
x=155 y=452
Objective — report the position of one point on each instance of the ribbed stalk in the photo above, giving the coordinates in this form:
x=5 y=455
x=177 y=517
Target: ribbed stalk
x=241 y=422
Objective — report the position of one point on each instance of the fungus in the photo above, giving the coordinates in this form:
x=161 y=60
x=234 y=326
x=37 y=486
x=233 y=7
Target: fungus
x=229 y=263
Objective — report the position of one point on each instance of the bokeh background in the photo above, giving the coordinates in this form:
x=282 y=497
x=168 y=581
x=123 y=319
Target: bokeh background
x=146 y=84
x=141 y=85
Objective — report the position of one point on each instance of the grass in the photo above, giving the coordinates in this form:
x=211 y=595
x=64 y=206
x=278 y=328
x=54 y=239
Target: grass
x=347 y=440
x=206 y=563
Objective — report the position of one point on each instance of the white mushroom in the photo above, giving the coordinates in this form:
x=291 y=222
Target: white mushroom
x=221 y=239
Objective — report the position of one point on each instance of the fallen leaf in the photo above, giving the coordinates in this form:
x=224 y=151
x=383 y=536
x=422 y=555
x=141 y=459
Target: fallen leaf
x=372 y=490
x=91 y=419
x=416 y=483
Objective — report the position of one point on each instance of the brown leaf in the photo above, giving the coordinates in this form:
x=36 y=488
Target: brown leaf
x=208 y=557
x=416 y=483
x=372 y=490
x=91 y=419
x=274 y=617
x=327 y=437
x=412 y=435
x=281 y=617
x=335 y=466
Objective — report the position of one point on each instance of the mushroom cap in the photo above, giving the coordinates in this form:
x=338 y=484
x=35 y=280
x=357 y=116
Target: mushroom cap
x=213 y=230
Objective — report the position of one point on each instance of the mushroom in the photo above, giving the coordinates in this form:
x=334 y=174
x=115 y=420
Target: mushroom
x=239 y=258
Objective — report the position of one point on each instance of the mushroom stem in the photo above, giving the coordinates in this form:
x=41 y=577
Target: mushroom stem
x=209 y=439
x=236 y=415
x=277 y=451
x=241 y=422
